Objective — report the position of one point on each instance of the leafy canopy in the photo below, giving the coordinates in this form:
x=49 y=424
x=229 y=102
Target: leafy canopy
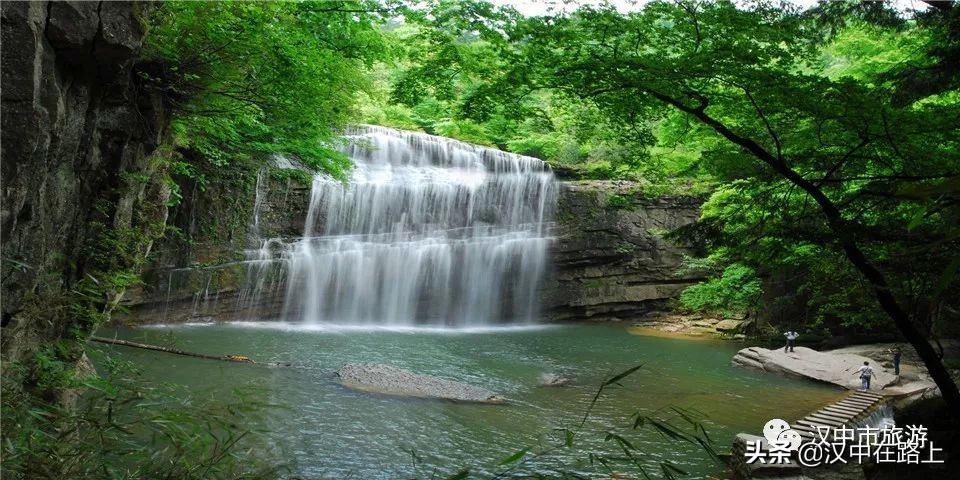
x=255 y=78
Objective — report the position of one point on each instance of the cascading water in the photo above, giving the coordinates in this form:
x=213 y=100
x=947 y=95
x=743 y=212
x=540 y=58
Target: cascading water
x=428 y=230
x=882 y=417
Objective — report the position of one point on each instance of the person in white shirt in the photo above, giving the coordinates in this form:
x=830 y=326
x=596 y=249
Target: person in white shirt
x=865 y=373
x=791 y=340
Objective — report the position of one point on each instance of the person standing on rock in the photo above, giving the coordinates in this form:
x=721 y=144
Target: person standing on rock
x=865 y=373
x=791 y=340
x=896 y=360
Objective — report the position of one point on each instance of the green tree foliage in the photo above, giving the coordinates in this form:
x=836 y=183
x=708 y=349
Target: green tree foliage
x=257 y=78
x=819 y=163
x=735 y=290
x=440 y=85
x=250 y=80
x=244 y=80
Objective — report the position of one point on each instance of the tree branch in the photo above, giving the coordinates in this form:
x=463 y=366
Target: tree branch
x=854 y=254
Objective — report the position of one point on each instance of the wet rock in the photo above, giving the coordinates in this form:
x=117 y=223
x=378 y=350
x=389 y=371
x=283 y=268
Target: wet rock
x=612 y=264
x=836 y=368
x=76 y=128
x=728 y=325
x=553 y=380
x=121 y=34
x=388 y=380
x=84 y=369
x=71 y=25
x=613 y=261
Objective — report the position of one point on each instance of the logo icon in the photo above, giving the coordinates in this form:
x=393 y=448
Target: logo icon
x=779 y=433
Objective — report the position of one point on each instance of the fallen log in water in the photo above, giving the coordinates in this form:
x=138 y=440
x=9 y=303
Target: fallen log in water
x=225 y=358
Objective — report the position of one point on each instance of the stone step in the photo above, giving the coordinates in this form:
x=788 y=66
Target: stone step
x=838 y=411
x=843 y=410
x=814 y=434
x=855 y=403
x=835 y=416
x=854 y=398
x=804 y=430
x=814 y=424
x=863 y=398
x=824 y=420
x=840 y=417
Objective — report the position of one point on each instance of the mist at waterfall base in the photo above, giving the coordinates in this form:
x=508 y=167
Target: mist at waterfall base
x=427 y=232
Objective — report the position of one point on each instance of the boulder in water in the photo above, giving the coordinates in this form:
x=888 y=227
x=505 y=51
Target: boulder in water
x=388 y=380
x=553 y=380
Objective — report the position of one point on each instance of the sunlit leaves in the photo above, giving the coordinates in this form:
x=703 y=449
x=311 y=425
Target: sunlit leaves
x=254 y=78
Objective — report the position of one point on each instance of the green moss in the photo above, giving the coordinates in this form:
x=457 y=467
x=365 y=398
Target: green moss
x=592 y=283
x=296 y=175
x=566 y=217
x=619 y=202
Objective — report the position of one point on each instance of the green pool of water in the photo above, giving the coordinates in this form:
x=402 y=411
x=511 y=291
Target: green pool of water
x=327 y=431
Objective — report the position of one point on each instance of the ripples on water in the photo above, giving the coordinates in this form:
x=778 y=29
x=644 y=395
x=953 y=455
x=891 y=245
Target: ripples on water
x=327 y=431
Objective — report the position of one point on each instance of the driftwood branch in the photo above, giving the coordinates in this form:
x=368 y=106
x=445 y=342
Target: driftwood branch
x=225 y=358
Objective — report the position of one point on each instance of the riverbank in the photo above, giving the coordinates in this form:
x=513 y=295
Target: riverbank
x=832 y=366
x=679 y=325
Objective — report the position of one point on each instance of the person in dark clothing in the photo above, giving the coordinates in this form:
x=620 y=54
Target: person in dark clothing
x=896 y=360
x=791 y=340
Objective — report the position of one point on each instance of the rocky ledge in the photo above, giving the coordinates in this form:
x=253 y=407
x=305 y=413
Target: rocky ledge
x=836 y=368
x=680 y=325
x=387 y=380
x=612 y=259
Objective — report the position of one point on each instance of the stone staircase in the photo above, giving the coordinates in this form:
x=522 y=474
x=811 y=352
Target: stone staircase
x=848 y=412
x=844 y=413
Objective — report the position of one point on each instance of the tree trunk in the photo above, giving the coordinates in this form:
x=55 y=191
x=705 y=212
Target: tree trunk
x=226 y=358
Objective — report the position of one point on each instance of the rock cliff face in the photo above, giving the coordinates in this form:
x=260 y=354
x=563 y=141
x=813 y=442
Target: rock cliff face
x=220 y=278
x=78 y=131
x=611 y=260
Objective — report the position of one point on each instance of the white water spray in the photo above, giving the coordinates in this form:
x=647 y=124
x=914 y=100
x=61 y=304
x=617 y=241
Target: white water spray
x=428 y=231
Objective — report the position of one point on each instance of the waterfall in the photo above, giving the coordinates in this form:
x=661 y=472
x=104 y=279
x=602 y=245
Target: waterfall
x=882 y=417
x=427 y=230
x=254 y=230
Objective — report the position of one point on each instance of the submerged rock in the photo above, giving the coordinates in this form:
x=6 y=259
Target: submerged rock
x=836 y=368
x=388 y=380
x=553 y=380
